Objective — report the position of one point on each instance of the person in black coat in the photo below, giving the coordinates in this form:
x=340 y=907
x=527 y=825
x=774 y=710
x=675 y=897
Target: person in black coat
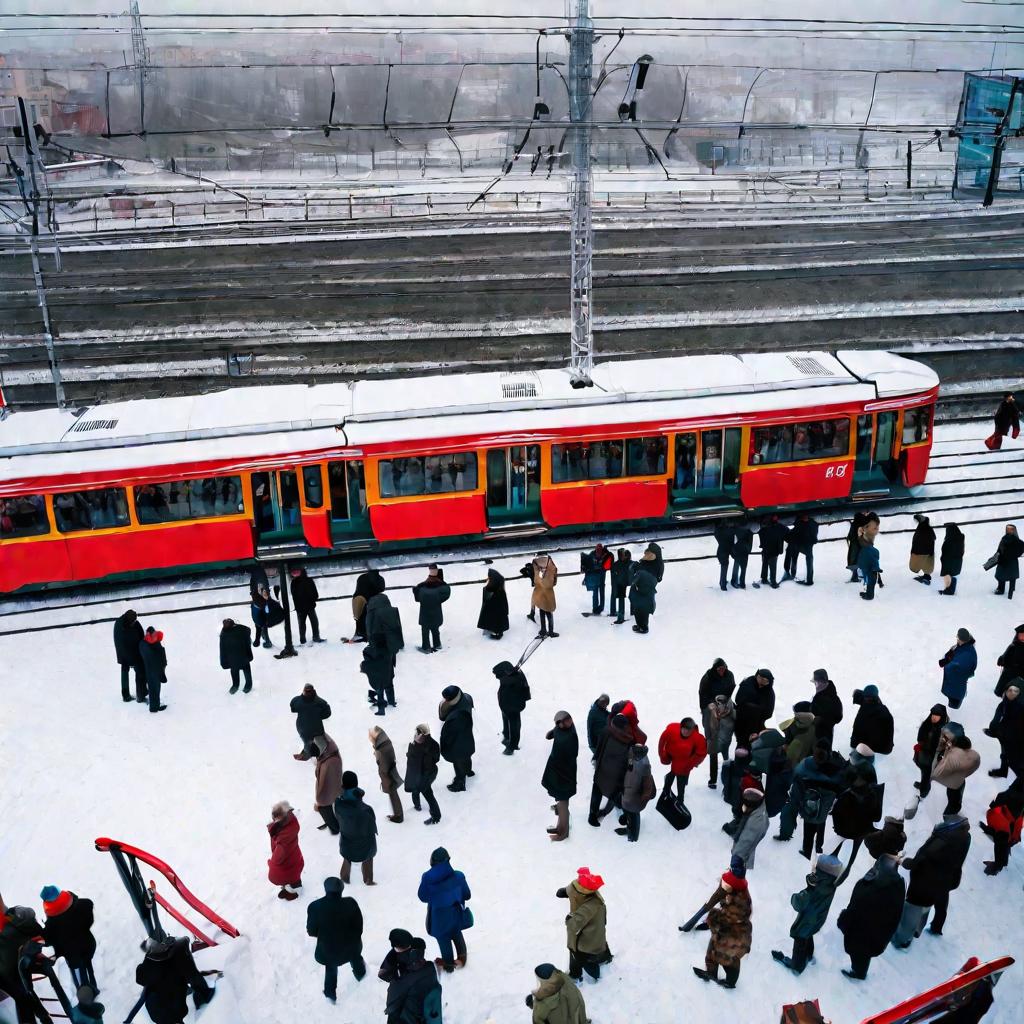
x=431 y=595
x=873 y=725
x=413 y=988
x=1007 y=561
x=311 y=711
x=922 y=549
x=717 y=681
x=725 y=538
x=368 y=584
x=379 y=668
x=493 y=618
x=154 y=662
x=559 y=778
x=610 y=762
x=357 y=830
x=236 y=653
x=773 y=538
x=802 y=538
x=337 y=925
x=167 y=974
x=826 y=706
x=755 y=704
x=1006 y=420
x=457 y=743
x=1011 y=661
x=928 y=735
x=873 y=914
x=597 y=721
x=935 y=872
x=513 y=693
x=304 y=598
x=128 y=634
x=421 y=761
x=622 y=573
x=951 y=558
x=1007 y=726
x=743 y=544
x=68 y=929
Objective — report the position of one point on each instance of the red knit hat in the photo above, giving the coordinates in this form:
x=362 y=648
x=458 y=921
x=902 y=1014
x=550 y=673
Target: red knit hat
x=734 y=881
x=586 y=880
x=58 y=904
x=155 y=637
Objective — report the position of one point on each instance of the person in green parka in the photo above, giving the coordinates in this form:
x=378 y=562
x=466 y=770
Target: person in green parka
x=556 y=1000
x=812 y=905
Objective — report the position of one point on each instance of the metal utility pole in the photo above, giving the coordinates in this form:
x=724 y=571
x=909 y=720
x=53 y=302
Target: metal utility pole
x=140 y=56
x=581 y=66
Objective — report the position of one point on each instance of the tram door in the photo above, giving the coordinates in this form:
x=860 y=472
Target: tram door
x=875 y=468
x=275 y=503
x=347 y=486
x=707 y=467
x=513 y=485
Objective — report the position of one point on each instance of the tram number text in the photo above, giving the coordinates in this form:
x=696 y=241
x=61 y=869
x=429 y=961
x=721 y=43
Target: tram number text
x=836 y=471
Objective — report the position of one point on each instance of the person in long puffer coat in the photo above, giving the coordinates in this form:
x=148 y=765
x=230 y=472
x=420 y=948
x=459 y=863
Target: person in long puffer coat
x=586 y=925
x=236 y=653
x=873 y=914
x=874 y=723
x=457 y=743
x=336 y=923
x=556 y=1000
x=638 y=788
x=812 y=905
x=958 y=665
x=493 y=618
x=445 y=891
x=928 y=734
x=1006 y=561
x=922 y=550
x=286 y=861
x=1007 y=726
x=328 y=769
x=935 y=872
x=421 y=761
x=384 y=625
x=358 y=824
x=68 y=929
x=731 y=930
x=1011 y=661
x=951 y=558
x=559 y=778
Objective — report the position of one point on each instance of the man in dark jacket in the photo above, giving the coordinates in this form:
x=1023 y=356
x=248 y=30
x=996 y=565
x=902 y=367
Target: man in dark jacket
x=311 y=711
x=812 y=905
x=384 y=625
x=457 y=743
x=873 y=914
x=773 y=538
x=934 y=873
x=368 y=585
x=154 y=664
x=304 y=598
x=622 y=576
x=128 y=634
x=421 y=770
x=1011 y=661
x=743 y=544
x=873 y=725
x=379 y=668
x=717 y=681
x=68 y=930
x=802 y=538
x=817 y=781
x=597 y=721
x=559 y=778
x=236 y=653
x=610 y=762
x=642 y=592
x=166 y=975
x=755 y=704
x=513 y=693
x=826 y=706
x=595 y=565
x=414 y=993
x=725 y=539
x=430 y=595
x=337 y=925
x=357 y=824
x=1007 y=726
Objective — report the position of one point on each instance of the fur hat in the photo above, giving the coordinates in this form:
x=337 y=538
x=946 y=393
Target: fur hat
x=753 y=797
x=544 y=971
x=585 y=879
x=423 y=729
x=400 y=938
x=829 y=864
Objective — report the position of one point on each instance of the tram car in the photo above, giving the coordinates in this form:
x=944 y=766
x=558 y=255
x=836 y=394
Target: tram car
x=174 y=484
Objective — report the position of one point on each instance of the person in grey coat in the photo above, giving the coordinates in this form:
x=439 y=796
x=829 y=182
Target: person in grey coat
x=751 y=828
x=637 y=790
x=430 y=595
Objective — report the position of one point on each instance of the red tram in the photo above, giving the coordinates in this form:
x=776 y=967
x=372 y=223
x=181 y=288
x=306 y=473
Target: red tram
x=175 y=483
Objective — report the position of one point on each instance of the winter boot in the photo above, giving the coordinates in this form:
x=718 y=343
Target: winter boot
x=446 y=965
x=707 y=974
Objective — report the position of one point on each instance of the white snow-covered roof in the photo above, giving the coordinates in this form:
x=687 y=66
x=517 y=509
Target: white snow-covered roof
x=892 y=375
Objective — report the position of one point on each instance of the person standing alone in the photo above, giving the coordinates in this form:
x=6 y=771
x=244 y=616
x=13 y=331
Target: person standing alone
x=336 y=923
x=236 y=653
x=304 y=598
x=430 y=595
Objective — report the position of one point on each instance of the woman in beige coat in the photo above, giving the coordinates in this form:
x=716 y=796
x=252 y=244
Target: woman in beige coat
x=545 y=578
x=390 y=780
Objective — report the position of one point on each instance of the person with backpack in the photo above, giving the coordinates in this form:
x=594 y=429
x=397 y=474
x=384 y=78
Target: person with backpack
x=595 y=566
x=559 y=778
x=68 y=929
x=304 y=599
x=445 y=892
x=586 y=925
x=336 y=923
x=958 y=664
x=513 y=694
x=622 y=572
x=951 y=558
x=421 y=760
x=731 y=931
x=922 y=550
x=430 y=595
x=556 y=1000
x=128 y=635
x=817 y=781
x=414 y=993
x=638 y=789
x=812 y=905
x=154 y=662
x=236 y=653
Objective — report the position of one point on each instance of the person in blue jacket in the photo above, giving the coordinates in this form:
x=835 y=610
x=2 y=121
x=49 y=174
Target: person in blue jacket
x=958 y=665
x=869 y=566
x=445 y=892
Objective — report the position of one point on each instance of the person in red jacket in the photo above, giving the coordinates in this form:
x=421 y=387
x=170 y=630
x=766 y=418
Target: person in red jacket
x=682 y=748
x=286 y=861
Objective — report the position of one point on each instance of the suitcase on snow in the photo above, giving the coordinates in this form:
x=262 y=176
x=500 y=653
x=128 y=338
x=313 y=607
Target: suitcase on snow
x=673 y=812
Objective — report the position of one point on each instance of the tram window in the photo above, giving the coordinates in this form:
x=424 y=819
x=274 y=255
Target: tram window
x=313 y=485
x=686 y=461
x=189 y=499
x=645 y=456
x=91 y=510
x=916 y=423
x=430 y=474
x=793 y=442
x=24 y=516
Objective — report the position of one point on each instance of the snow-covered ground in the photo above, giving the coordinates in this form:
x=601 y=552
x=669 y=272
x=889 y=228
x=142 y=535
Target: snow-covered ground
x=195 y=784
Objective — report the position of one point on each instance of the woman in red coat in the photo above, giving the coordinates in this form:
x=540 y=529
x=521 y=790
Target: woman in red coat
x=286 y=861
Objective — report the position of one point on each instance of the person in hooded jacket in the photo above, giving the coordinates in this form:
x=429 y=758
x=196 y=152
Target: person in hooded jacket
x=1011 y=662
x=955 y=762
x=513 y=693
x=682 y=748
x=154 y=661
x=935 y=871
x=742 y=545
x=1003 y=824
x=431 y=595
x=595 y=565
x=421 y=761
x=778 y=781
x=922 y=550
x=654 y=550
x=286 y=861
x=642 y=591
x=857 y=809
x=327 y=772
x=755 y=704
x=384 y=626
x=731 y=931
x=873 y=914
x=414 y=993
x=725 y=539
x=128 y=635
x=610 y=764
x=358 y=830
x=586 y=925
x=958 y=665
x=638 y=788
x=68 y=929
x=622 y=572
x=752 y=827
x=597 y=721
x=493 y=618
x=826 y=706
x=1007 y=726
x=873 y=724
x=445 y=892
x=457 y=744
x=812 y=905
x=166 y=975
x=556 y=1000
x=951 y=558
x=336 y=923
x=1007 y=561
x=928 y=735
x=559 y=778
x=368 y=585
x=236 y=653
x=802 y=538
x=387 y=769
